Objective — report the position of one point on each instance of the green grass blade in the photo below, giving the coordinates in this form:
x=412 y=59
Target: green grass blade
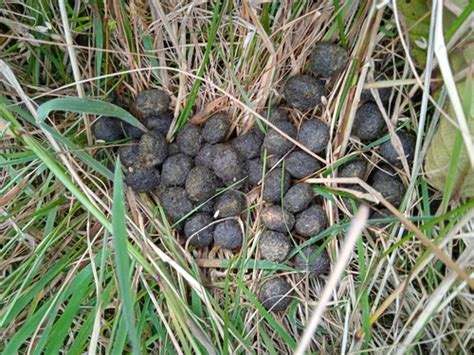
x=210 y=43
x=61 y=328
x=122 y=263
x=26 y=330
x=89 y=106
x=289 y=341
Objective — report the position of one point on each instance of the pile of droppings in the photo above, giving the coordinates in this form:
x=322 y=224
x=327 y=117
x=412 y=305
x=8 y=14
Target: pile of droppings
x=203 y=177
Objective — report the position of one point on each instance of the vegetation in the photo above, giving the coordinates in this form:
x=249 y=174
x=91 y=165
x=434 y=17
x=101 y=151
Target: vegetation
x=88 y=265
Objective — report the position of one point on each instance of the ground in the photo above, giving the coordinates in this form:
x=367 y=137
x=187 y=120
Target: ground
x=89 y=265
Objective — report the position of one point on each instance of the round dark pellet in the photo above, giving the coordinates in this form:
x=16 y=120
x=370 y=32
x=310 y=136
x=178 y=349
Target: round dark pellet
x=355 y=168
x=189 y=139
x=201 y=184
x=176 y=169
x=205 y=156
x=227 y=164
x=314 y=135
x=152 y=101
x=248 y=144
x=313 y=260
x=275 y=294
x=132 y=131
x=107 y=129
x=274 y=246
x=228 y=234
x=153 y=149
x=369 y=124
x=159 y=122
x=175 y=202
x=128 y=154
x=311 y=221
x=298 y=198
x=216 y=128
x=254 y=169
x=275 y=143
x=198 y=230
x=143 y=179
x=300 y=164
x=327 y=60
x=278 y=219
x=231 y=203
x=389 y=186
x=276 y=183
x=303 y=92
x=275 y=113
x=390 y=154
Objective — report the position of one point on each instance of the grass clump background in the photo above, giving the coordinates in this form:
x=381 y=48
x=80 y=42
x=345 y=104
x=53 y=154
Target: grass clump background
x=89 y=265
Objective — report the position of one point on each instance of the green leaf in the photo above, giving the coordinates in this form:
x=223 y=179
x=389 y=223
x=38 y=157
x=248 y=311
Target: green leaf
x=89 y=106
x=122 y=262
x=416 y=14
x=447 y=164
